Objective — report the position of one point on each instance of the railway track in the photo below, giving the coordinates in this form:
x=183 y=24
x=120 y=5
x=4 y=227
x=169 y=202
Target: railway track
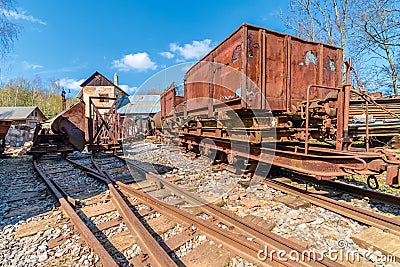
x=236 y=235
x=24 y=195
x=358 y=214
x=104 y=209
x=372 y=216
x=347 y=210
x=343 y=187
x=135 y=195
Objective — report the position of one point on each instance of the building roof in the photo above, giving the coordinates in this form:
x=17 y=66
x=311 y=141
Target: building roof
x=141 y=105
x=98 y=79
x=18 y=113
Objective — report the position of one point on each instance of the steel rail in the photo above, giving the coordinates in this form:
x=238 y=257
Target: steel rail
x=347 y=210
x=267 y=238
x=239 y=245
x=146 y=241
x=354 y=190
x=85 y=232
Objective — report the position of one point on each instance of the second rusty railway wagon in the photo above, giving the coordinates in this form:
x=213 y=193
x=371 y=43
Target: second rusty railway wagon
x=282 y=95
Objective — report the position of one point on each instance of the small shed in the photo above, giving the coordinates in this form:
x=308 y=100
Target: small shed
x=22 y=115
x=138 y=112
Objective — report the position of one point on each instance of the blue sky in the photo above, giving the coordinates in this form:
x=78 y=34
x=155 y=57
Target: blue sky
x=69 y=40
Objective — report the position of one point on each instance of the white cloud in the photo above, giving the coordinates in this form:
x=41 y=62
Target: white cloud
x=138 y=61
x=29 y=66
x=167 y=54
x=127 y=89
x=21 y=15
x=71 y=83
x=195 y=50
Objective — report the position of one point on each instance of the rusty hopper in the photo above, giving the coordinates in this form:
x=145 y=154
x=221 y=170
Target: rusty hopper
x=71 y=123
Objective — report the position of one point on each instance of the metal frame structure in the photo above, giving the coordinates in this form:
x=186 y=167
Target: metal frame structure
x=104 y=128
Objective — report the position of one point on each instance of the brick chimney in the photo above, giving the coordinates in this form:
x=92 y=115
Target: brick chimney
x=116 y=79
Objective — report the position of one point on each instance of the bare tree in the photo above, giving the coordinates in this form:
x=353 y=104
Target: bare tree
x=367 y=30
x=320 y=20
x=378 y=28
x=341 y=15
x=301 y=19
x=8 y=30
x=36 y=85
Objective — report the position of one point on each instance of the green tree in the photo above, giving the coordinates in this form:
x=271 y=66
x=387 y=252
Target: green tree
x=22 y=92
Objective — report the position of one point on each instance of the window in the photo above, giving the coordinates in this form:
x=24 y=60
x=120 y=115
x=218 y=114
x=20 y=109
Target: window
x=102 y=99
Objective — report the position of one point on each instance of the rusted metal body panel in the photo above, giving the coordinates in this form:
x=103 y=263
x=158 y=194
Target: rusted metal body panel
x=170 y=102
x=75 y=114
x=73 y=124
x=4 y=126
x=280 y=66
x=75 y=136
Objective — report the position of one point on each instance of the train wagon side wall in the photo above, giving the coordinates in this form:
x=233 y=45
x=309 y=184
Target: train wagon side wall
x=204 y=77
x=280 y=66
x=169 y=100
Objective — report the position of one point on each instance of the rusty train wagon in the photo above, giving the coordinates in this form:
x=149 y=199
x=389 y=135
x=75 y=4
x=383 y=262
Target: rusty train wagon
x=72 y=130
x=166 y=122
x=282 y=95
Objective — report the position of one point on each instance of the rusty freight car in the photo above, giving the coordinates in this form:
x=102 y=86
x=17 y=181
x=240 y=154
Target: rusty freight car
x=166 y=122
x=280 y=65
x=256 y=70
x=71 y=129
x=268 y=97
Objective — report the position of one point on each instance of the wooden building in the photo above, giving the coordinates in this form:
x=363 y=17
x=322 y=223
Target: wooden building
x=22 y=115
x=98 y=85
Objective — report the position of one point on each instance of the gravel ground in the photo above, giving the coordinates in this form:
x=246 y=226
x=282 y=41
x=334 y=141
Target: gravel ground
x=36 y=206
x=24 y=182
x=312 y=226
